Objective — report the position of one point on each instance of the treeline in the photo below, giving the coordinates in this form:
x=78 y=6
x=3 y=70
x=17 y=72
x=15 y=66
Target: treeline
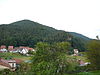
x=29 y=33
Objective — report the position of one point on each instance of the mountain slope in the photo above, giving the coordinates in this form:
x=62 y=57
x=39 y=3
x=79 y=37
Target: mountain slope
x=79 y=35
x=28 y=33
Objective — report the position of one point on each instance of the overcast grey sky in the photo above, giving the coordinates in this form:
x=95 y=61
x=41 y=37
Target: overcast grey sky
x=82 y=16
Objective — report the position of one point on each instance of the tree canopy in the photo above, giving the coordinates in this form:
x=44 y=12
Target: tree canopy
x=52 y=59
x=93 y=54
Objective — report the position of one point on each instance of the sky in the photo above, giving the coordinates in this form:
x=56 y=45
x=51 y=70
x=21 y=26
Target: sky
x=81 y=16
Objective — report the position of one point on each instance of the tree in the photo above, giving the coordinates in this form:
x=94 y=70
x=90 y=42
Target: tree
x=62 y=47
x=52 y=59
x=97 y=37
x=93 y=54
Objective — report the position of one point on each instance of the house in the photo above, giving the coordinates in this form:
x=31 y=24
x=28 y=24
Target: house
x=10 y=47
x=11 y=64
x=82 y=63
x=14 y=50
x=3 y=49
x=8 y=64
x=23 y=51
x=76 y=52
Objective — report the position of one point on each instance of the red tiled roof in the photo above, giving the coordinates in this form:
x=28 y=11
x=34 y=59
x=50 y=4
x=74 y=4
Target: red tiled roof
x=4 y=63
x=30 y=48
x=3 y=46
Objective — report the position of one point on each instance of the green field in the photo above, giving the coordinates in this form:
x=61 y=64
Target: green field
x=14 y=55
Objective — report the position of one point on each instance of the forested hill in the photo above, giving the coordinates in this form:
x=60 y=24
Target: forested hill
x=79 y=35
x=28 y=33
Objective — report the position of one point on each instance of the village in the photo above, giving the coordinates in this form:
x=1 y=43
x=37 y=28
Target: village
x=22 y=49
x=13 y=63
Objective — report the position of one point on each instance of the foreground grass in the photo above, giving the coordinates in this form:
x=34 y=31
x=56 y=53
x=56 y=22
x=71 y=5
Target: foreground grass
x=89 y=73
